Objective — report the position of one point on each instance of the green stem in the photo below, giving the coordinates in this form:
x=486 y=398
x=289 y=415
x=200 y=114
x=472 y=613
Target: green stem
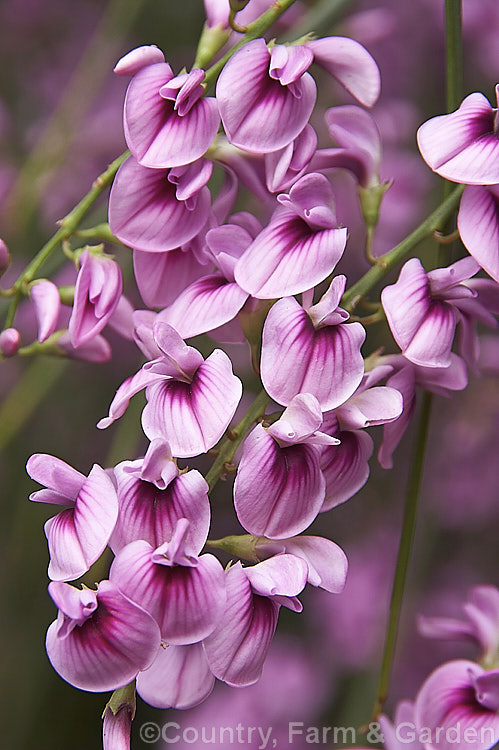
x=454 y=53
x=230 y=445
x=404 y=553
x=98 y=232
x=254 y=30
x=387 y=262
x=68 y=225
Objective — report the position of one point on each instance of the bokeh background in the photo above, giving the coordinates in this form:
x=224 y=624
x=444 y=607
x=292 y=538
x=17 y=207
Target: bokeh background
x=60 y=124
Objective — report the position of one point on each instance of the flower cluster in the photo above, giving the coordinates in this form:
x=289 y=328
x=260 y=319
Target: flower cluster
x=169 y=617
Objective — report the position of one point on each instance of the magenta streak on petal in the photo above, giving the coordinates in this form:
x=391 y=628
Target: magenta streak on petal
x=478 y=223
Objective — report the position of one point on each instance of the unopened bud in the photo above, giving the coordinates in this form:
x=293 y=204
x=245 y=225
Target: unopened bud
x=10 y=340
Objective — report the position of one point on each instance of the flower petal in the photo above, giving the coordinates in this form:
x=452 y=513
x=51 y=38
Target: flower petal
x=145 y=213
x=447 y=700
x=186 y=602
x=236 y=650
x=47 y=303
x=161 y=276
x=297 y=358
x=478 y=223
x=145 y=512
x=259 y=114
x=179 y=677
x=278 y=491
x=351 y=64
x=193 y=416
x=462 y=146
x=156 y=134
x=110 y=648
x=205 y=305
x=345 y=467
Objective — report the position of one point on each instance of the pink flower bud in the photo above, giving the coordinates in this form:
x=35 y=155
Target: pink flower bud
x=10 y=340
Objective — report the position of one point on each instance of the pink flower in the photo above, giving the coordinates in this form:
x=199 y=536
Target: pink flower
x=184 y=592
x=299 y=248
x=159 y=209
x=78 y=535
x=167 y=120
x=190 y=400
x=423 y=309
x=236 y=650
x=153 y=496
x=97 y=292
x=279 y=487
x=100 y=640
x=464 y=145
x=311 y=349
x=461 y=699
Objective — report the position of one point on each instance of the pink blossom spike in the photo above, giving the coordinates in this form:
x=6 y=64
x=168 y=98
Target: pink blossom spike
x=161 y=276
x=351 y=64
x=47 y=304
x=114 y=642
x=138 y=58
x=278 y=492
x=145 y=213
x=205 y=305
x=449 y=694
x=297 y=357
x=186 y=600
x=463 y=146
x=478 y=224
x=178 y=678
x=261 y=114
x=236 y=650
x=158 y=135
